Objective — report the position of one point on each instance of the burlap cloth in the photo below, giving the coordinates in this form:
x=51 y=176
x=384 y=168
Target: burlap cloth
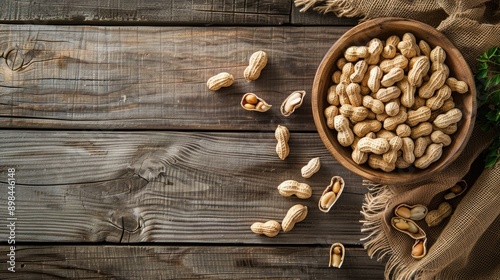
x=467 y=244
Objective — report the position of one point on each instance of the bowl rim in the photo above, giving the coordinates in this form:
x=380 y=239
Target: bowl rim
x=396 y=177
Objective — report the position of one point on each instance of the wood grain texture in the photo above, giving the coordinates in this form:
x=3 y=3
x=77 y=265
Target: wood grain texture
x=169 y=187
x=82 y=77
x=187 y=262
x=262 y=12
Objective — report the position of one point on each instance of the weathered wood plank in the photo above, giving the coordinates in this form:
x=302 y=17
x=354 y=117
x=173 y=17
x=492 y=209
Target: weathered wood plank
x=168 y=187
x=153 y=77
x=265 y=12
x=183 y=262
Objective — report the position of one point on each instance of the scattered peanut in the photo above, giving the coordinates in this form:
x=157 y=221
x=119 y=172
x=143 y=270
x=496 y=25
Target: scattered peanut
x=337 y=253
x=408 y=226
x=311 y=167
x=282 y=135
x=252 y=102
x=328 y=199
x=331 y=194
x=220 y=80
x=257 y=62
x=291 y=187
x=269 y=228
x=295 y=214
x=458 y=189
x=418 y=250
x=292 y=102
x=435 y=217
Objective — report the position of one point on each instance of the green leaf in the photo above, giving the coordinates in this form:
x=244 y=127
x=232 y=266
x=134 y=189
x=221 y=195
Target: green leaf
x=487 y=83
x=492 y=116
x=488 y=96
x=482 y=66
x=496 y=80
x=495 y=97
x=490 y=161
x=483 y=57
x=497 y=59
x=492 y=153
x=491 y=52
x=482 y=74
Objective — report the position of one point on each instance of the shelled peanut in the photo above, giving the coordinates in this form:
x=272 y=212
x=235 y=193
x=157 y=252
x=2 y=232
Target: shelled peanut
x=399 y=88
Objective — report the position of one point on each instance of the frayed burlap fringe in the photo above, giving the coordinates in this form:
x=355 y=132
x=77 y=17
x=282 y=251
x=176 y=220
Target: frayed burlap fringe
x=372 y=210
x=377 y=243
x=341 y=8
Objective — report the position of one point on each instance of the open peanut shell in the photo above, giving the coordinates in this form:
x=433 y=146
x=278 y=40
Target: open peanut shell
x=327 y=200
x=292 y=102
x=258 y=104
x=415 y=212
x=419 y=248
x=450 y=194
x=334 y=260
x=418 y=232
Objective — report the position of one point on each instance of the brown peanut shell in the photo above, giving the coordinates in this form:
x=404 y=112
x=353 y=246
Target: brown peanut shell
x=342 y=255
x=283 y=109
x=451 y=195
x=411 y=207
x=419 y=235
x=264 y=108
x=329 y=188
x=424 y=240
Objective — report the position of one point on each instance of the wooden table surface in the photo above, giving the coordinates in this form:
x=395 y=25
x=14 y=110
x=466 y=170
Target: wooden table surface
x=127 y=167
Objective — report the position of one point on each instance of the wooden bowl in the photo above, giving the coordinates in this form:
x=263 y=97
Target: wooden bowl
x=383 y=28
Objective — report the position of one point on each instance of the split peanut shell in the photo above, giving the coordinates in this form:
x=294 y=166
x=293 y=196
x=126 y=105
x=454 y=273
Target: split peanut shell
x=251 y=102
x=292 y=102
x=329 y=196
x=408 y=227
x=336 y=257
x=415 y=212
x=419 y=248
x=457 y=190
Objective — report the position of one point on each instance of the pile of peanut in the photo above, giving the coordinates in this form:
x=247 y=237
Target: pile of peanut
x=392 y=103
